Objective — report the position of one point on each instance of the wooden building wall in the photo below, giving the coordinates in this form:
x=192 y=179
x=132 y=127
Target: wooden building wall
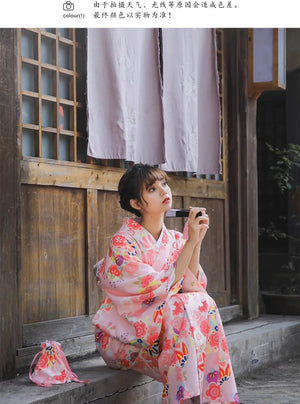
x=68 y=211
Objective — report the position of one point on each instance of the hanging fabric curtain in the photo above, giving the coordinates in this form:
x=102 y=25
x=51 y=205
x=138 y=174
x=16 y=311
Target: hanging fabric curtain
x=124 y=95
x=191 y=101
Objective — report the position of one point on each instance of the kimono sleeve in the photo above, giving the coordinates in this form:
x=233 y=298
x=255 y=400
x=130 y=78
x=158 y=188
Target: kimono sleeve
x=125 y=274
x=190 y=282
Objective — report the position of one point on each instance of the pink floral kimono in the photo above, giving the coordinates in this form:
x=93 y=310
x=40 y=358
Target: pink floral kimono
x=173 y=334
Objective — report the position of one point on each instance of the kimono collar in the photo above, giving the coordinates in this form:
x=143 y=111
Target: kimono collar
x=133 y=226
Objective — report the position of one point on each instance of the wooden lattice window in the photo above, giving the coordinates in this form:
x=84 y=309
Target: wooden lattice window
x=52 y=93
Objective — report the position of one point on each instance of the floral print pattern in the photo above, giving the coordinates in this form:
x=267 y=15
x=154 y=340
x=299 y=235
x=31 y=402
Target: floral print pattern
x=171 y=333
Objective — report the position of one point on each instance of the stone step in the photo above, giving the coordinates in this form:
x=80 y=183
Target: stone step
x=252 y=344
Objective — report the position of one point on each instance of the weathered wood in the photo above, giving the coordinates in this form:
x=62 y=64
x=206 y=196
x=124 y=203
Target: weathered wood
x=9 y=200
x=213 y=251
x=53 y=253
x=110 y=219
x=74 y=175
x=93 y=292
x=243 y=176
x=61 y=329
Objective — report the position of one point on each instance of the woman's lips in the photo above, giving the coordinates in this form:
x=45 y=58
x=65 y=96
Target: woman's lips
x=166 y=200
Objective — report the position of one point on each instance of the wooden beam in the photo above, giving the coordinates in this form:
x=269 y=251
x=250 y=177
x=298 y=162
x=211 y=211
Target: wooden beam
x=9 y=202
x=78 y=175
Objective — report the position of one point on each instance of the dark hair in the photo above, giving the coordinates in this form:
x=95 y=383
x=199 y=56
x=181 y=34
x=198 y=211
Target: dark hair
x=134 y=180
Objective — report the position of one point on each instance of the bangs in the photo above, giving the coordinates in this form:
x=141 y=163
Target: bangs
x=152 y=175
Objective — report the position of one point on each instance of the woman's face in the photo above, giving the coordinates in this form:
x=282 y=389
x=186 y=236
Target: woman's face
x=156 y=198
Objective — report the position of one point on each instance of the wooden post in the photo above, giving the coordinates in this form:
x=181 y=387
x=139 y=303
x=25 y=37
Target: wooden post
x=92 y=292
x=9 y=202
x=243 y=210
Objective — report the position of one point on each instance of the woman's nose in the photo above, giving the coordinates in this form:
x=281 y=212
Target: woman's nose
x=163 y=191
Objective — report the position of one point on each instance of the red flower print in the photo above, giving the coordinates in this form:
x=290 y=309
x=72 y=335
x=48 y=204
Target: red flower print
x=140 y=328
x=197 y=316
x=225 y=374
x=204 y=307
x=178 y=308
x=118 y=240
x=102 y=267
x=182 y=353
x=43 y=362
x=125 y=363
x=132 y=224
x=179 y=375
x=179 y=324
x=149 y=257
x=213 y=340
x=104 y=340
x=204 y=327
x=175 y=255
x=63 y=378
x=165 y=238
x=106 y=304
x=132 y=268
x=114 y=270
x=146 y=280
x=224 y=345
x=144 y=297
x=146 y=241
x=152 y=338
x=167 y=345
x=165 y=358
x=213 y=392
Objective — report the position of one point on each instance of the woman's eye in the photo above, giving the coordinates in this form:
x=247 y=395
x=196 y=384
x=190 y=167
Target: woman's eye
x=152 y=189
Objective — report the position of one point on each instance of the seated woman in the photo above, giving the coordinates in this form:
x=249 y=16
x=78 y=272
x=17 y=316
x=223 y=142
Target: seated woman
x=157 y=317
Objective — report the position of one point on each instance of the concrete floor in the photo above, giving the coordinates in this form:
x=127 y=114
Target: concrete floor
x=279 y=383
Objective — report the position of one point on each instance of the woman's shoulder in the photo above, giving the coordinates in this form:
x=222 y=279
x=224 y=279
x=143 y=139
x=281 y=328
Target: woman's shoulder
x=126 y=233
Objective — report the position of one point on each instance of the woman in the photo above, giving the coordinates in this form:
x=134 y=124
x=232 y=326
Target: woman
x=157 y=317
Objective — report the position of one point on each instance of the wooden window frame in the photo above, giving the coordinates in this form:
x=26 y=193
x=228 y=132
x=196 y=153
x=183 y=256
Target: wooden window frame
x=58 y=103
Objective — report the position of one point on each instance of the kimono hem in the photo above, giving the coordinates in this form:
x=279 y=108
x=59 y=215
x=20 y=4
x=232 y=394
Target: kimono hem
x=172 y=333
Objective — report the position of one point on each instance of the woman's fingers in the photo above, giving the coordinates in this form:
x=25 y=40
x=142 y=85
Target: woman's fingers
x=204 y=219
x=194 y=211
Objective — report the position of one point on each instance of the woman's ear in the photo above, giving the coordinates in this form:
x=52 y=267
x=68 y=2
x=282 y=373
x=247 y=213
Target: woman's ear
x=135 y=204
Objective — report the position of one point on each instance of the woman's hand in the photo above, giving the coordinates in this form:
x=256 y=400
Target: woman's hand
x=197 y=226
x=190 y=253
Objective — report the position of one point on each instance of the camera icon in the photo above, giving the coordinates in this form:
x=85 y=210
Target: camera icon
x=68 y=6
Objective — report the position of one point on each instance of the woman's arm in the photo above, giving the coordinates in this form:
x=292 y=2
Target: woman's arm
x=195 y=260
x=190 y=254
